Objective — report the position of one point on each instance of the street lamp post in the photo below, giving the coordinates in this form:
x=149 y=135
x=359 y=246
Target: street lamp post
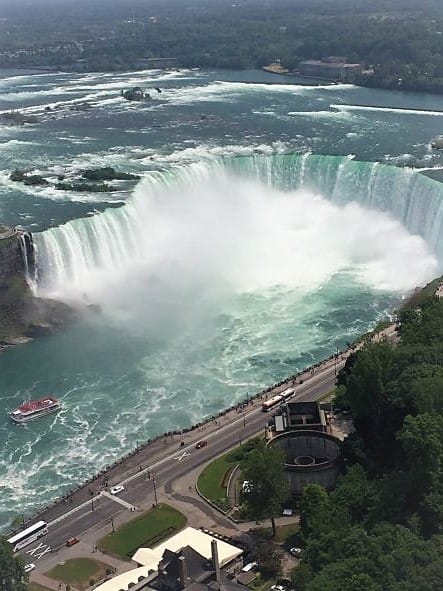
x=112 y=525
x=155 y=490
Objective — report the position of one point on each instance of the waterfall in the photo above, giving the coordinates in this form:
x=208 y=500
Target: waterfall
x=28 y=256
x=410 y=197
x=113 y=240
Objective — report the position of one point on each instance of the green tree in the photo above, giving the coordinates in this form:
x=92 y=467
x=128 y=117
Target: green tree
x=269 y=487
x=269 y=560
x=422 y=440
x=12 y=574
x=314 y=510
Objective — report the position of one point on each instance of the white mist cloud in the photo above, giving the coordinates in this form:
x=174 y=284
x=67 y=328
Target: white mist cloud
x=215 y=232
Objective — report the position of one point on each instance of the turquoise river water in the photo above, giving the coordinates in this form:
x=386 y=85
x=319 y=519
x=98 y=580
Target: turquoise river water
x=273 y=223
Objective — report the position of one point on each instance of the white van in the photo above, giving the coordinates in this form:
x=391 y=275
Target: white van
x=248 y=567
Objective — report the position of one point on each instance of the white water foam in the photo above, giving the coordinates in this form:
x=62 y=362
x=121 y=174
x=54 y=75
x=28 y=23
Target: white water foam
x=387 y=110
x=211 y=231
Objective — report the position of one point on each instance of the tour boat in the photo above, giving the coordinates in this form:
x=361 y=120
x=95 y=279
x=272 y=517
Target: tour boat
x=32 y=409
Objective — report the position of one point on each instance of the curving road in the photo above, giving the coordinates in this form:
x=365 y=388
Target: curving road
x=222 y=435
x=92 y=512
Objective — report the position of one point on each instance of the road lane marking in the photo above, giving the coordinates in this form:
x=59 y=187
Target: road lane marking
x=182 y=456
x=47 y=550
x=34 y=550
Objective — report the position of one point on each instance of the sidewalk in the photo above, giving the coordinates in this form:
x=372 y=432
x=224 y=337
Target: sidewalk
x=45 y=581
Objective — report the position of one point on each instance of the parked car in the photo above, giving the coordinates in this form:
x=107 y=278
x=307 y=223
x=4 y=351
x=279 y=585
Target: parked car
x=295 y=551
x=249 y=566
x=72 y=541
x=117 y=489
x=201 y=444
x=29 y=567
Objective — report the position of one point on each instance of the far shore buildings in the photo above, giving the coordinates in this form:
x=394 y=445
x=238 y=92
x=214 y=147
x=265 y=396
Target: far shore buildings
x=334 y=68
x=191 y=560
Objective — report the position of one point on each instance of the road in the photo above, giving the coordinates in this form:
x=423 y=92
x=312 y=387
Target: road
x=90 y=512
x=105 y=509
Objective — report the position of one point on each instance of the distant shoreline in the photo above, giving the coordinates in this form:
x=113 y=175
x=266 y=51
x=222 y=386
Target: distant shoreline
x=26 y=70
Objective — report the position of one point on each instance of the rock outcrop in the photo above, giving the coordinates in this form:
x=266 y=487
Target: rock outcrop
x=22 y=315
x=135 y=94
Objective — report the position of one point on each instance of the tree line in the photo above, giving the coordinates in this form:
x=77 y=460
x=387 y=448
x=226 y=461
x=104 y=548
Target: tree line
x=381 y=528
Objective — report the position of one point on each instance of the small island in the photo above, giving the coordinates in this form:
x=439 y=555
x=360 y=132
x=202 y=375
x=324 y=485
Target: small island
x=135 y=94
x=88 y=181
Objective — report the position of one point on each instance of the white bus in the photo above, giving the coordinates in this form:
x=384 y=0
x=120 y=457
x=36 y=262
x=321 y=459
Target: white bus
x=268 y=404
x=288 y=393
x=28 y=535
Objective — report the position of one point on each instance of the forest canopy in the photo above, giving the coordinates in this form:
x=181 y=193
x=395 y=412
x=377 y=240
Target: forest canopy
x=381 y=529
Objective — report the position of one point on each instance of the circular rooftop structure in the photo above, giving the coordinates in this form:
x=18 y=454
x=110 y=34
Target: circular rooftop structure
x=310 y=457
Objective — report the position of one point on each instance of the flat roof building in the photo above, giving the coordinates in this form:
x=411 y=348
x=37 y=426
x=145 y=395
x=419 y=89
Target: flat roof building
x=331 y=68
x=300 y=416
x=190 y=560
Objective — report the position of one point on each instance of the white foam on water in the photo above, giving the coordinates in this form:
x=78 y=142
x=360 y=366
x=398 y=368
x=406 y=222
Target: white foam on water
x=323 y=114
x=370 y=109
x=225 y=91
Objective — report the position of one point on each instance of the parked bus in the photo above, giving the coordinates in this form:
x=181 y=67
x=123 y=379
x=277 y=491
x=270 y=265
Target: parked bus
x=268 y=404
x=288 y=393
x=28 y=535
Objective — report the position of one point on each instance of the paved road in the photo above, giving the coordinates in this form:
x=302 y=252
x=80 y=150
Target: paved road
x=91 y=512
x=105 y=509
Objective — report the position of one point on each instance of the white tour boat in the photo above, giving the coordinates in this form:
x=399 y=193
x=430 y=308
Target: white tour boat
x=32 y=409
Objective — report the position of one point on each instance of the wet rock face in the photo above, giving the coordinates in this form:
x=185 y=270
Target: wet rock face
x=22 y=314
x=12 y=260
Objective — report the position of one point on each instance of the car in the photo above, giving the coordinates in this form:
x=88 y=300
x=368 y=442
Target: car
x=29 y=567
x=249 y=566
x=201 y=444
x=295 y=551
x=118 y=488
x=72 y=541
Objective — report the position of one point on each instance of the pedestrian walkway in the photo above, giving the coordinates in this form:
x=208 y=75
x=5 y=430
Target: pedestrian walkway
x=47 y=582
x=118 y=500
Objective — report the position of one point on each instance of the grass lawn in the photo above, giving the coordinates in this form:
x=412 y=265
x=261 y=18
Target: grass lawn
x=147 y=530
x=214 y=478
x=285 y=533
x=78 y=572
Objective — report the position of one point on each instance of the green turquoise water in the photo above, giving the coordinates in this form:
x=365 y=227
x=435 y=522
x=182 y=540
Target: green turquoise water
x=269 y=228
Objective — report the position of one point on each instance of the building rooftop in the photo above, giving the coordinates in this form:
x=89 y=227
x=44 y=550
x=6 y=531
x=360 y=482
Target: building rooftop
x=189 y=536
x=159 y=567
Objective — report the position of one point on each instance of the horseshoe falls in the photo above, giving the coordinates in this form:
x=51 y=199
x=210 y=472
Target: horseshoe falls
x=248 y=222
x=272 y=224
